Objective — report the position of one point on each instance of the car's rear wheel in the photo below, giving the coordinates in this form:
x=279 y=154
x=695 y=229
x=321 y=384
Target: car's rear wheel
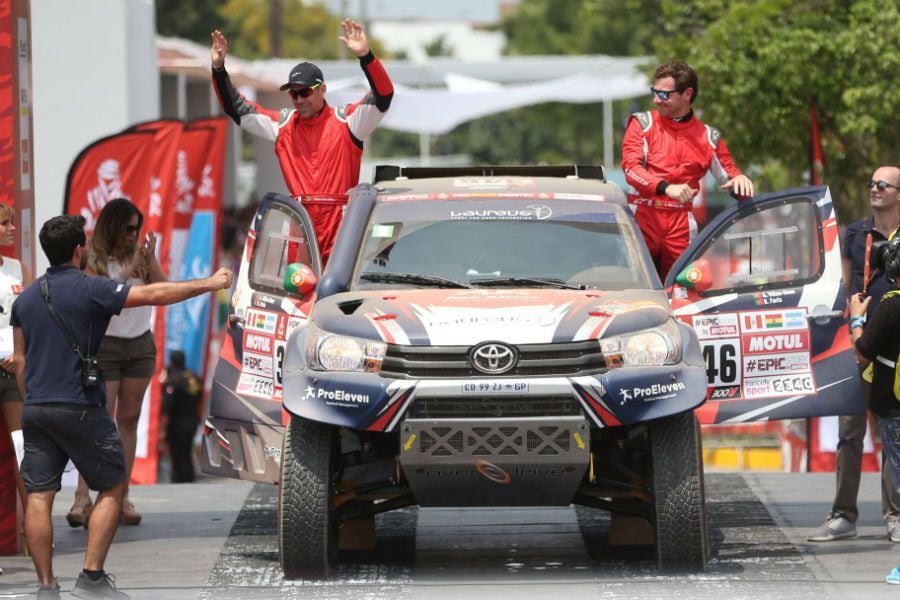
x=307 y=527
x=679 y=503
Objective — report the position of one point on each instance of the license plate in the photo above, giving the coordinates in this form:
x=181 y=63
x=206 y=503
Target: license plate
x=495 y=387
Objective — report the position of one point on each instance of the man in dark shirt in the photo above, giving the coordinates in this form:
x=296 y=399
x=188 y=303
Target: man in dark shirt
x=63 y=417
x=884 y=200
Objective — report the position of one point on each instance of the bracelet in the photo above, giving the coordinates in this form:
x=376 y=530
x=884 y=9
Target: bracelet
x=857 y=321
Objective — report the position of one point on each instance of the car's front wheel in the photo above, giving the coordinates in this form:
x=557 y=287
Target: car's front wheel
x=679 y=502
x=307 y=527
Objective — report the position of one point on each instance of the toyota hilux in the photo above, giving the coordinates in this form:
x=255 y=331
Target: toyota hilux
x=498 y=336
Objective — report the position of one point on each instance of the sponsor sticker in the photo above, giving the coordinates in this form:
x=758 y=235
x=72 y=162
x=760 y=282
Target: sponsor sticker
x=533 y=212
x=728 y=392
x=258 y=343
x=716 y=326
x=650 y=393
x=767 y=343
x=252 y=385
x=258 y=364
x=779 y=385
x=776 y=364
x=336 y=397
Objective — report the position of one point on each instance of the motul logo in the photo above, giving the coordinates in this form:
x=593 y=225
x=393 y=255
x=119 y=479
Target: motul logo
x=258 y=343
x=770 y=343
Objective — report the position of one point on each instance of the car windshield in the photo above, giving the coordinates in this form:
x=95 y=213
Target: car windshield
x=593 y=249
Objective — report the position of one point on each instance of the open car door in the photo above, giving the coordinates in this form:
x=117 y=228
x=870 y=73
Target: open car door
x=761 y=285
x=242 y=435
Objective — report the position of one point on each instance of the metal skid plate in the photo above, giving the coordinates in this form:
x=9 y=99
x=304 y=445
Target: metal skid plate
x=494 y=462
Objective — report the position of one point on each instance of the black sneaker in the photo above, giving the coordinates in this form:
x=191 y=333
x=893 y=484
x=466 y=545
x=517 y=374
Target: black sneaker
x=48 y=592
x=105 y=587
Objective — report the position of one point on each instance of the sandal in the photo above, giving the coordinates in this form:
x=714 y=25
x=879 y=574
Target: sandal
x=80 y=512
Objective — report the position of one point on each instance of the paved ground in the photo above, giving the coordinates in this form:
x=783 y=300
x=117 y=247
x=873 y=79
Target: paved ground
x=216 y=539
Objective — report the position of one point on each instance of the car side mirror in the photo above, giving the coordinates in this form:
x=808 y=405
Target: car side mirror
x=299 y=279
x=696 y=276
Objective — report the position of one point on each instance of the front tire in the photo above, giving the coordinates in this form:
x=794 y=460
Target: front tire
x=307 y=527
x=679 y=502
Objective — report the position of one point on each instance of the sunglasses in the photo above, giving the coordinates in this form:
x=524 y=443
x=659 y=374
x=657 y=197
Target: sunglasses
x=880 y=185
x=303 y=92
x=662 y=94
x=129 y=229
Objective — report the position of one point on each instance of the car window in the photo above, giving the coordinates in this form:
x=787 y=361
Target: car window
x=598 y=252
x=776 y=246
x=280 y=241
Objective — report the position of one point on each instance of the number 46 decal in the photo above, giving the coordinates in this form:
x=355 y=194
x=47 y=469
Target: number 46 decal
x=722 y=361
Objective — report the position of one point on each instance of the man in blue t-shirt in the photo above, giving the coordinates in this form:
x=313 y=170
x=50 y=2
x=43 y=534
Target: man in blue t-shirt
x=63 y=417
x=840 y=524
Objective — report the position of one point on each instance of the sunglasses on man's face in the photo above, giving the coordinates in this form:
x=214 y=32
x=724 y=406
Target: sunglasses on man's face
x=662 y=94
x=880 y=185
x=303 y=92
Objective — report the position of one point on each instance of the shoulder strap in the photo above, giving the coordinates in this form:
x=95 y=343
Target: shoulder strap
x=45 y=292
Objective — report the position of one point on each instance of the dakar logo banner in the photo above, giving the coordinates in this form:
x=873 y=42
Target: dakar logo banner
x=118 y=166
x=166 y=142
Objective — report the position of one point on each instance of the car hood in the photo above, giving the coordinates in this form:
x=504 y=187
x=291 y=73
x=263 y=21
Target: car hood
x=468 y=316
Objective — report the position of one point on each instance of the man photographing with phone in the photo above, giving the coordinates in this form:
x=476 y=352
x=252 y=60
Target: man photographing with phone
x=860 y=242
x=64 y=415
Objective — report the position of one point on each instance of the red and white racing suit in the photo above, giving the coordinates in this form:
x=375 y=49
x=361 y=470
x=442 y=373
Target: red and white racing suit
x=320 y=156
x=657 y=151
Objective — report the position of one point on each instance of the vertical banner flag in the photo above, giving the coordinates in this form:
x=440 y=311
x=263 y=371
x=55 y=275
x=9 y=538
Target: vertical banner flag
x=188 y=322
x=161 y=194
x=816 y=156
x=118 y=166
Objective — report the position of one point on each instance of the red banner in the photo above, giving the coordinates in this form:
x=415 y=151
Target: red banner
x=118 y=166
x=816 y=156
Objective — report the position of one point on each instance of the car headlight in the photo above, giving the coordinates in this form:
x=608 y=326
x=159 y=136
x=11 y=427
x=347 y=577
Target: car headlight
x=331 y=352
x=651 y=347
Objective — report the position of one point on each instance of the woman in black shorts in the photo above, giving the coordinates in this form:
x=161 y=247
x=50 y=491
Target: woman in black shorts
x=118 y=250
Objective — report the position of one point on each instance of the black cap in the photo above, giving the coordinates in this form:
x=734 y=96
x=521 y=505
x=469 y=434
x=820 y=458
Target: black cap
x=305 y=74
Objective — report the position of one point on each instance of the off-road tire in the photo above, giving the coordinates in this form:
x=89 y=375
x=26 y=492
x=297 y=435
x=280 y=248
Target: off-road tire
x=307 y=528
x=679 y=502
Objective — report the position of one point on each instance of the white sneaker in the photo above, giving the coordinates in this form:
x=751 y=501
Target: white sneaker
x=835 y=527
x=893 y=531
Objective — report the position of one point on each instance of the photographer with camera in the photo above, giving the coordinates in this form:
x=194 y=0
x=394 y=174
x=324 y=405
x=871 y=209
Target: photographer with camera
x=858 y=255
x=58 y=323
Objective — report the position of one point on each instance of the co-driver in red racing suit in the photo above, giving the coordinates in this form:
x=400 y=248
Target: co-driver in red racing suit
x=665 y=155
x=319 y=152
x=657 y=151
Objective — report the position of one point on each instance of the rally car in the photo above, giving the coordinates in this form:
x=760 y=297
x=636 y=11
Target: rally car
x=498 y=336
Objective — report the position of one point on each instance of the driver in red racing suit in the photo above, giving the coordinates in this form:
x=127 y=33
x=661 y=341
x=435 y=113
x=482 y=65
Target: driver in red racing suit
x=318 y=147
x=665 y=155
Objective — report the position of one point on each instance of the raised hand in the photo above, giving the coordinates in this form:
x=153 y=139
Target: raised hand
x=354 y=38
x=219 y=49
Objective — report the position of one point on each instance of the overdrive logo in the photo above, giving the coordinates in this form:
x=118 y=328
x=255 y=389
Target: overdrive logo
x=492 y=471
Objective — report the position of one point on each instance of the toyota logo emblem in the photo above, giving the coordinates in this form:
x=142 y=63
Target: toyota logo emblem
x=493 y=358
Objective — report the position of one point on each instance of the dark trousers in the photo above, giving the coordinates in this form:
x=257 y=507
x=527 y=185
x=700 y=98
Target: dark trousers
x=851 y=433
x=181 y=443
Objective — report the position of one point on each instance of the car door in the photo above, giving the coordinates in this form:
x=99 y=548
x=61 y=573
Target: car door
x=761 y=285
x=244 y=426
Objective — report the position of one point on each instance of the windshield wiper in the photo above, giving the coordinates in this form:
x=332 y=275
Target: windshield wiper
x=428 y=280
x=513 y=281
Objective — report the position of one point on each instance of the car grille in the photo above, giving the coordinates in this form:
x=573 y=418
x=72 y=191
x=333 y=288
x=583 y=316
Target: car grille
x=494 y=406
x=452 y=439
x=433 y=362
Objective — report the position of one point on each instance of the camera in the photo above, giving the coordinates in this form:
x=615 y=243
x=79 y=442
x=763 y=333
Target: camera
x=90 y=372
x=885 y=256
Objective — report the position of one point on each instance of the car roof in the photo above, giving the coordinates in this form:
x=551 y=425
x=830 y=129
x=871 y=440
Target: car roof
x=485 y=182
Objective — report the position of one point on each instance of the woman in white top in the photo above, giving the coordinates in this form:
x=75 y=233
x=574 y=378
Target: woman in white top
x=128 y=353
x=14 y=276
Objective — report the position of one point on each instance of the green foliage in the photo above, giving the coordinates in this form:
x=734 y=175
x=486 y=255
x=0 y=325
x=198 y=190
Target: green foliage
x=190 y=20
x=438 y=47
x=762 y=64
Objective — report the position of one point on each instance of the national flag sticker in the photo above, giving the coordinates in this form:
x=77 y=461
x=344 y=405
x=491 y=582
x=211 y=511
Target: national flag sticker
x=769 y=320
